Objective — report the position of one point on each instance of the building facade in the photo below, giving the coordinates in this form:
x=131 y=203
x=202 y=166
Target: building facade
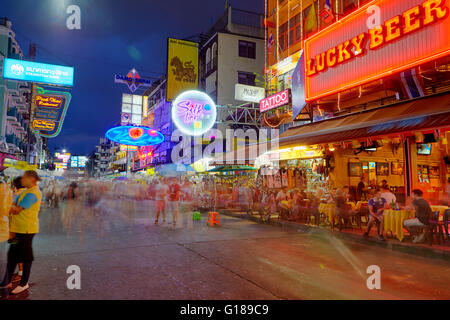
x=16 y=140
x=376 y=102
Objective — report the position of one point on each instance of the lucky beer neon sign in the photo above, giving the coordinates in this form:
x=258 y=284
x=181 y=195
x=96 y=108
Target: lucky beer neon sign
x=377 y=49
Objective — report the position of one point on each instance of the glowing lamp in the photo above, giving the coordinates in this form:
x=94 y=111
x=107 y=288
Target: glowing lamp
x=135 y=136
x=136 y=133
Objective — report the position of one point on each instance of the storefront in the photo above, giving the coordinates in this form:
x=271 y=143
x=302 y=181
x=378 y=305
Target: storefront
x=403 y=145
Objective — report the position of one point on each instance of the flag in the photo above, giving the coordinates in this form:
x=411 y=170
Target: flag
x=270 y=42
x=327 y=13
x=412 y=83
x=311 y=20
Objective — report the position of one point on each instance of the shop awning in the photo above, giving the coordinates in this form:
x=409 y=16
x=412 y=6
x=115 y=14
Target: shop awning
x=422 y=114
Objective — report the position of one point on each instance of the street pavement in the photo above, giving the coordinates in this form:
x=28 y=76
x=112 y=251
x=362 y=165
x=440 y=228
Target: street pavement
x=123 y=255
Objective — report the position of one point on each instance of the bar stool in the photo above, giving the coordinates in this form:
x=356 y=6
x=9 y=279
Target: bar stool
x=213 y=218
x=196 y=216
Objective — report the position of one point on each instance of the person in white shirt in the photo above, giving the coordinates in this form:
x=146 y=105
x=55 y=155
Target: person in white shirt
x=161 y=191
x=387 y=195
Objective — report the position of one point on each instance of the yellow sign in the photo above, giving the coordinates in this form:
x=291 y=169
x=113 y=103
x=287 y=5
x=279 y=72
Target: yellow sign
x=182 y=73
x=124 y=147
x=45 y=125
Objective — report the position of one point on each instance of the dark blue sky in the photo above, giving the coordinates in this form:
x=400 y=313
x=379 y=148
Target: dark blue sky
x=115 y=36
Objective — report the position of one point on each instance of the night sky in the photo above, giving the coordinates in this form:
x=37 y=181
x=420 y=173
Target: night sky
x=115 y=36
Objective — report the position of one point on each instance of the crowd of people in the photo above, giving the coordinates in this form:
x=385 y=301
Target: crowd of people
x=171 y=201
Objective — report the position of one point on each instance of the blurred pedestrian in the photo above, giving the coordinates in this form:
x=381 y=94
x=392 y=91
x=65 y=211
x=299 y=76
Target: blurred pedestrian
x=25 y=224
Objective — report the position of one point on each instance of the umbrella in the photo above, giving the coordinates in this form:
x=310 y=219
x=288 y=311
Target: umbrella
x=174 y=170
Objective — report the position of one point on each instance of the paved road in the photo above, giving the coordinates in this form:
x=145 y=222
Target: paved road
x=123 y=255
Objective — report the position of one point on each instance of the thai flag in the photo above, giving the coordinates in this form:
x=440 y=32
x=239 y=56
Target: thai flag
x=327 y=13
x=412 y=84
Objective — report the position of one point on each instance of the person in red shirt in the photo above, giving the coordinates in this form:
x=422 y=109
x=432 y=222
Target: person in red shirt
x=174 y=198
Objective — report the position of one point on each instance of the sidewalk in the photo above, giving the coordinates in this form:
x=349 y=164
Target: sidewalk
x=356 y=235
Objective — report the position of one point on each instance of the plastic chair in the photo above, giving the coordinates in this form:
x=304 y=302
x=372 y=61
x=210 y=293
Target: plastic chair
x=213 y=218
x=196 y=216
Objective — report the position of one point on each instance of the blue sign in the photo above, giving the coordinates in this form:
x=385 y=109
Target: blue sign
x=37 y=72
x=135 y=136
x=298 y=87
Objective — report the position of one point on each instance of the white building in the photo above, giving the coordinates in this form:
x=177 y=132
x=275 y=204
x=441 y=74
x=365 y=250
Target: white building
x=233 y=52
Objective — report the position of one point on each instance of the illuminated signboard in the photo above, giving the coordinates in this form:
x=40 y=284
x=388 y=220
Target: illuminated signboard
x=49 y=106
x=355 y=50
x=135 y=136
x=194 y=112
x=133 y=80
x=246 y=93
x=277 y=100
x=37 y=72
x=82 y=160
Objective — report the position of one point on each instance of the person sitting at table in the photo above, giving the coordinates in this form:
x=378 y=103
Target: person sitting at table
x=376 y=207
x=387 y=195
x=416 y=226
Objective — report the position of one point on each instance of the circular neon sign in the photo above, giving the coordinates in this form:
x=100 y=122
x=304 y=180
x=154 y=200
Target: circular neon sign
x=194 y=113
x=135 y=136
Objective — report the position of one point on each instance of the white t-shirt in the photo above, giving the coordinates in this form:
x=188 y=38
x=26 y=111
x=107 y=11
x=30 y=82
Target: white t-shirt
x=388 y=196
x=161 y=191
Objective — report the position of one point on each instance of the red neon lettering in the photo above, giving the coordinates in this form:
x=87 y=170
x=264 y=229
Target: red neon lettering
x=359 y=43
x=434 y=10
x=310 y=68
x=331 y=57
x=393 y=30
x=320 y=61
x=376 y=37
x=343 y=52
x=412 y=21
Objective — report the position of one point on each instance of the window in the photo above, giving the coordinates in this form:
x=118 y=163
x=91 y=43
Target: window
x=247 y=49
x=246 y=78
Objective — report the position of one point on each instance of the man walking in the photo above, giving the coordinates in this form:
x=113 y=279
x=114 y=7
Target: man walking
x=174 y=198
x=160 y=197
x=25 y=224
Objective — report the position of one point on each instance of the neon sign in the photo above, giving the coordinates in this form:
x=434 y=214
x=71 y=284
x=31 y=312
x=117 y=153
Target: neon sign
x=413 y=32
x=277 y=100
x=133 y=80
x=49 y=108
x=48 y=101
x=194 y=113
x=135 y=136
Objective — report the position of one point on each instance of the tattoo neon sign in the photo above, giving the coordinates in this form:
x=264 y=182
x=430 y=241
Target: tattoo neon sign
x=194 y=113
x=413 y=32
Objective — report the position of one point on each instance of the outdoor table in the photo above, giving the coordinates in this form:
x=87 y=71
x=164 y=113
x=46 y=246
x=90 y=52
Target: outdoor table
x=328 y=209
x=441 y=210
x=393 y=221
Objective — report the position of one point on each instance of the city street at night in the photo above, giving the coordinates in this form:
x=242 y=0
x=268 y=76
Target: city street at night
x=225 y=159
x=128 y=257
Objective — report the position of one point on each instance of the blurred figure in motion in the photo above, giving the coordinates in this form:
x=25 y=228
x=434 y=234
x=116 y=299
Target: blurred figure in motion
x=25 y=224
x=174 y=199
x=161 y=191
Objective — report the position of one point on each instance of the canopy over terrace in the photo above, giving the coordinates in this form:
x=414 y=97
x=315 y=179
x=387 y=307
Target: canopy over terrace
x=423 y=114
